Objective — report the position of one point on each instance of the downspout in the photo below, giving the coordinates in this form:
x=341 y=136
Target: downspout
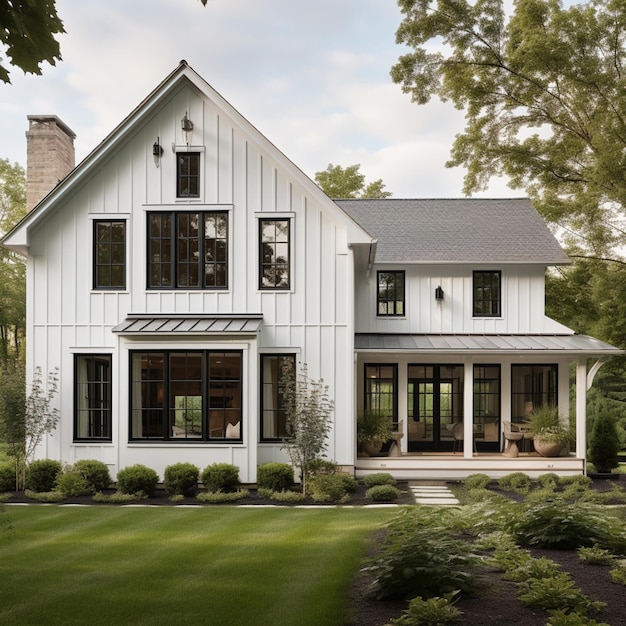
x=371 y=256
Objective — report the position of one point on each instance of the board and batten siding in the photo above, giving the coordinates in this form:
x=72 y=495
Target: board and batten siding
x=523 y=301
x=249 y=179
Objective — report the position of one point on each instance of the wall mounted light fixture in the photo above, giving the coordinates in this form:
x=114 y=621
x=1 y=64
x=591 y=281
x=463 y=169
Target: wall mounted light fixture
x=439 y=294
x=157 y=151
x=187 y=126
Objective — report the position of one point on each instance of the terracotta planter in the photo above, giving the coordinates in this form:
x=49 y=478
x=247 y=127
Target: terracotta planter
x=547 y=448
x=372 y=449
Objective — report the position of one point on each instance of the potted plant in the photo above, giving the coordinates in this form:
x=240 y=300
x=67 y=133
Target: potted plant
x=373 y=429
x=550 y=436
x=604 y=442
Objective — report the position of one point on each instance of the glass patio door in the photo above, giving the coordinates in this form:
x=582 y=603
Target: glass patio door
x=435 y=404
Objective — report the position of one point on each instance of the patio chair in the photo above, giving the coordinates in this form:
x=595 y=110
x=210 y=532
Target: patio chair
x=512 y=435
x=459 y=435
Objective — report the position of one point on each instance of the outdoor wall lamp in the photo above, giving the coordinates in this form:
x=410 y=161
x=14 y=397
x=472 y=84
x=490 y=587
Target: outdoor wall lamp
x=157 y=151
x=187 y=125
x=439 y=294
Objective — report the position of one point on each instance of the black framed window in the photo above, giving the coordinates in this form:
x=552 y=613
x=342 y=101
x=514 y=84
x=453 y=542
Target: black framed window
x=274 y=262
x=187 y=174
x=274 y=369
x=192 y=395
x=109 y=265
x=381 y=390
x=92 y=397
x=487 y=403
x=487 y=294
x=390 y=294
x=188 y=250
x=532 y=386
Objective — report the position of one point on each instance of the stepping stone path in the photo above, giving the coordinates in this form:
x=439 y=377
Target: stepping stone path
x=439 y=495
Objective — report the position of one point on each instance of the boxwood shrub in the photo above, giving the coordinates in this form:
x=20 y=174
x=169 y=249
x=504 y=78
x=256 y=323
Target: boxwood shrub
x=275 y=476
x=96 y=473
x=137 y=479
x=41 y=475
x=382 y=493
x=181 y=479
x=382 y=478
x=220 y=477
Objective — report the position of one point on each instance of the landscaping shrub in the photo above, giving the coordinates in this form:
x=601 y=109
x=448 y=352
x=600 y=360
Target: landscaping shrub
x=328 y=488
x=221 y=477
x=604 y=443
x=118 y=497
x=96 y=473
x=275 y=476
x=181 y=479
x=73 y=483
x=566 y=527
x=220 y=497
x=618 y=575
x=477 y=481
x=41 y=475
x=287 y=496
x=577 y=481
x=383 y=493
x=422 y=557
x=7 y=477
x=517 y=482
x=382 y=478
x=431 y=612
x=549 y=480
x=321 y=466
x=349 y=482
x=565 y=618
x=595 y=555
x=137 y=479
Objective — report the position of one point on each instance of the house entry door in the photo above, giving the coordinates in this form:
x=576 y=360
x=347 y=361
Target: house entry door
x=435 y=405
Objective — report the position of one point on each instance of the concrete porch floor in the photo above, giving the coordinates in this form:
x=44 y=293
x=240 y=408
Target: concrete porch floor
x=449 y=466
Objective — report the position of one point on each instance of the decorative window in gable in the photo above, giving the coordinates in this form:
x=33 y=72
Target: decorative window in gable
x=390 y=294
x=188 y=175
x=487 y=294
x=109 y=263
x=188 y=250
x=274 y=261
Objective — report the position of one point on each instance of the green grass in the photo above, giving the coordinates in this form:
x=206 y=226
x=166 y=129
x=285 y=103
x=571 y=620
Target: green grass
x=218 y=566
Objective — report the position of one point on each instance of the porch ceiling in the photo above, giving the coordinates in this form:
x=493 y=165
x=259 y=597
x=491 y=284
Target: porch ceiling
x=582 y=345
x=190 y=325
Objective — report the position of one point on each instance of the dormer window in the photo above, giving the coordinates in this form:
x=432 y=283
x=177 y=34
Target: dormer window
x=188 y=175
x=487 y=294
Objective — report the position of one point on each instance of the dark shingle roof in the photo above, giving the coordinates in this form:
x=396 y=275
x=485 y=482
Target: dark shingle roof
x=464 y=230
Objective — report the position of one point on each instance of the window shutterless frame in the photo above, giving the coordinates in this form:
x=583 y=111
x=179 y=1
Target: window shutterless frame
x=274 y=253
x=486 y=293
x=92 y=397
x=109 y=254
x=274 y=367
x=187 y=174
x=390 y=293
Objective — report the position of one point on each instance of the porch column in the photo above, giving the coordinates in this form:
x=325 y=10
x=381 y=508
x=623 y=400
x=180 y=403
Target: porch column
x=468 y=410
x=581 y=409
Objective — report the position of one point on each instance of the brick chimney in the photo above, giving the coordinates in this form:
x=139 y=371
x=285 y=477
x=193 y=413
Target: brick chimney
x=50 y=155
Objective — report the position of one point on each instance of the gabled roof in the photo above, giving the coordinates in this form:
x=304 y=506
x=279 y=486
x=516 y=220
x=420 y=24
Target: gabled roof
x=464 y=230
x=18 y=238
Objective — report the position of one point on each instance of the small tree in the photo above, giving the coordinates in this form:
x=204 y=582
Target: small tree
x=604 y=444
x=308 y=409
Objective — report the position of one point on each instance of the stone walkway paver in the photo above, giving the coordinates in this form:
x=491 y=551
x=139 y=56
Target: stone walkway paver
x=433 y=494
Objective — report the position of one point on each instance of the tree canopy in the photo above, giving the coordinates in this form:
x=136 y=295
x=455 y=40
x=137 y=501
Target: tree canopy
x=544 y=91
x=27 y=32
x=344 y=183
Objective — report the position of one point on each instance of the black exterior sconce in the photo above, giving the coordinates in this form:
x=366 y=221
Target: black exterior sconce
x=439 y=294
x=157 y=151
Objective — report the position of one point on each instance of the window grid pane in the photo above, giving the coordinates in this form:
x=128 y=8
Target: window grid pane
x=110 y=254
x=188 y=175
x=274 y=368
x=274 y=247
x=92 y=402
x=532 y=386
x=390 y=294
x=487 y=294
x=381 y=390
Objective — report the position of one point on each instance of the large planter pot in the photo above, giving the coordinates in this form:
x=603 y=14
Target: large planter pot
x=372 y=448
x=547 y=448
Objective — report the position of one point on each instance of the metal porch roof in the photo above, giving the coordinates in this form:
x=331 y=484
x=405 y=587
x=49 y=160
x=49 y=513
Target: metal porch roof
x=486 y=344
x=190 y=325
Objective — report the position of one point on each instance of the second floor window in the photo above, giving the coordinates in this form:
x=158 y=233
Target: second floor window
x=274 y=254
x=109 y=270
x=188 y=175
x=390 y=296
x=487 y=294
x=188 y=250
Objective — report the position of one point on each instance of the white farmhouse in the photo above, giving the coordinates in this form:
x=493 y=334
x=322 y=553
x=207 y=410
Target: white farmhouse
x=176 y=271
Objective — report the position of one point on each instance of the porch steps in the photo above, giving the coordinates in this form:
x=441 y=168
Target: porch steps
x=439 y=495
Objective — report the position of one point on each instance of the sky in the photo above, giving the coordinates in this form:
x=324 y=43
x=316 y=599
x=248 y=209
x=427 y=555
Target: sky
x=312 y=76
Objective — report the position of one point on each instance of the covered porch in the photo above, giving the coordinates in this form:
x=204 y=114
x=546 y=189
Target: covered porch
x=451 y=396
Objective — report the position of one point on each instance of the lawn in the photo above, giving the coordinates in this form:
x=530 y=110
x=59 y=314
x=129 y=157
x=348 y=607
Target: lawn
x=178 y=565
